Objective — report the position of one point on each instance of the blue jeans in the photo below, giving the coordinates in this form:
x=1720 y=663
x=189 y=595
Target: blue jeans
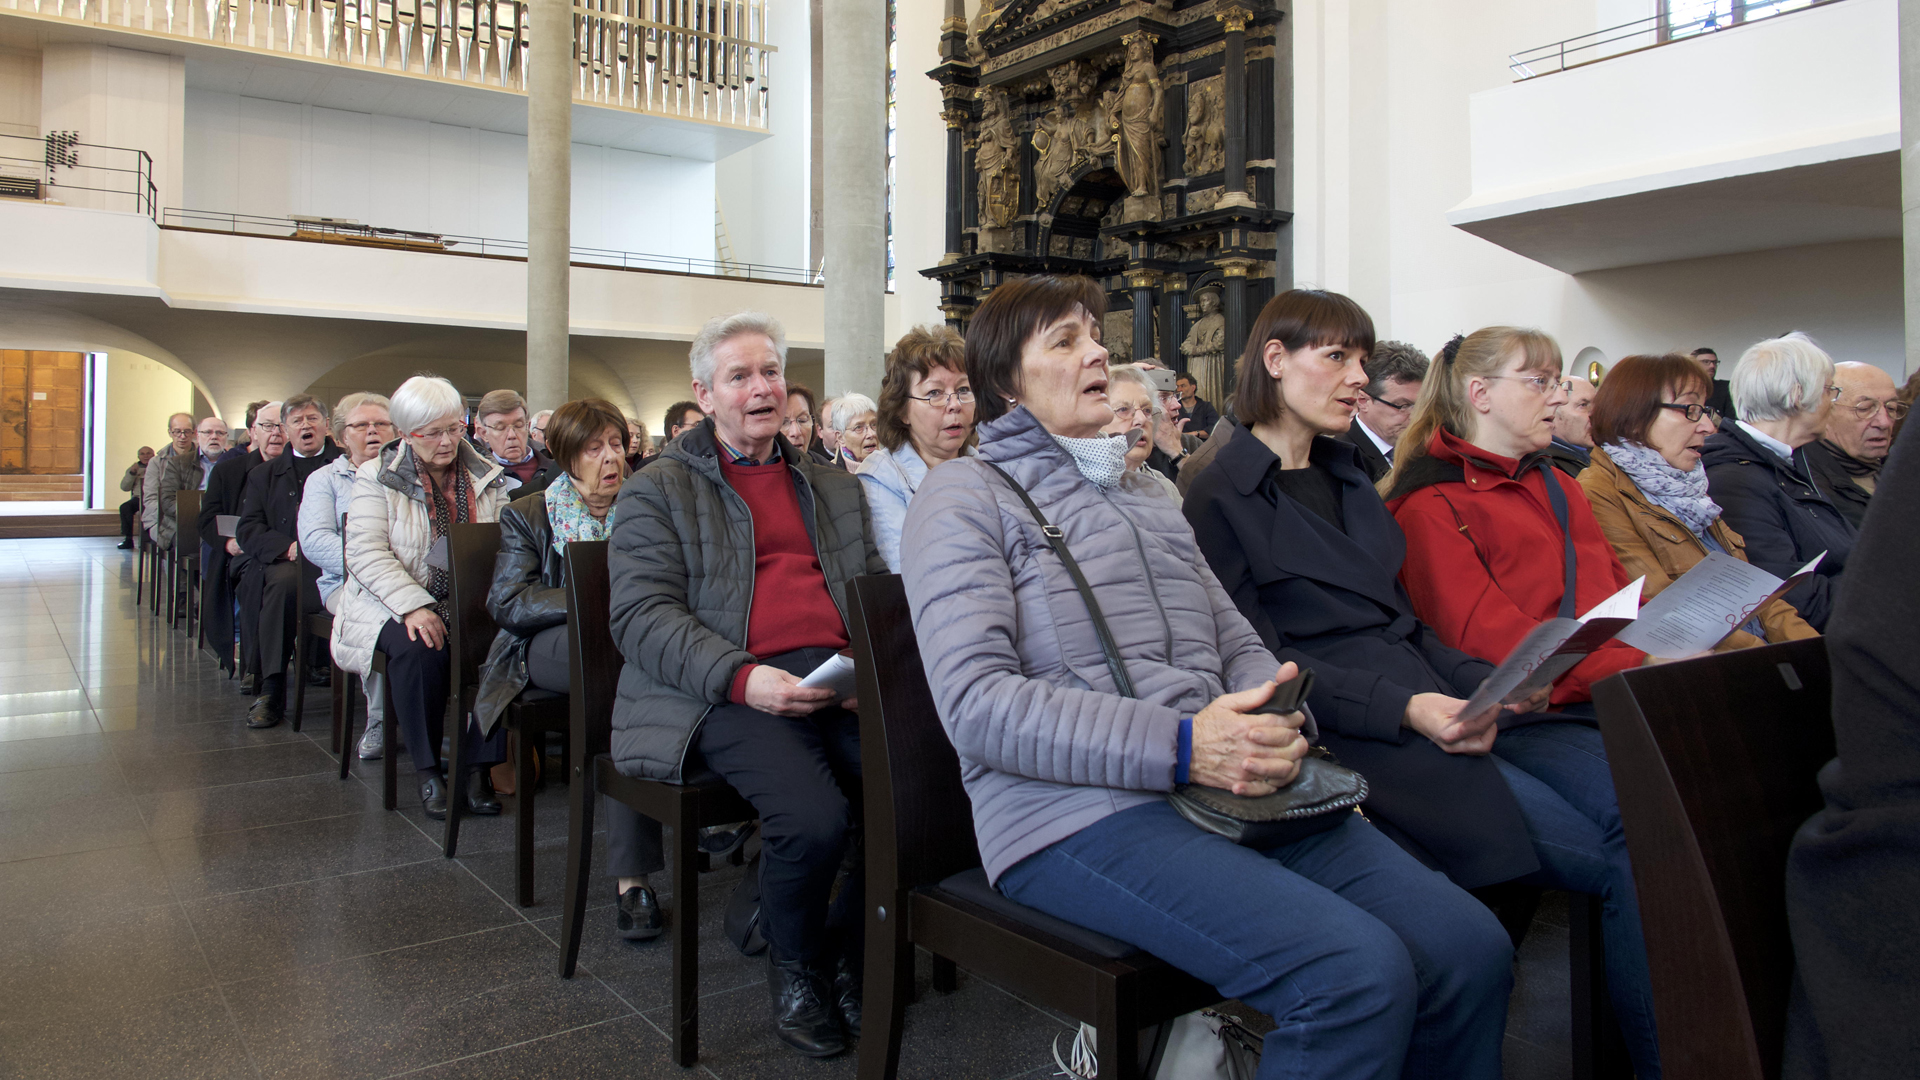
x=1371 y=964
x=1558 y=773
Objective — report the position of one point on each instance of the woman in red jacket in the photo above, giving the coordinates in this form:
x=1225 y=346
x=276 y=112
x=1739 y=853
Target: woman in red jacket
x=1495 y=536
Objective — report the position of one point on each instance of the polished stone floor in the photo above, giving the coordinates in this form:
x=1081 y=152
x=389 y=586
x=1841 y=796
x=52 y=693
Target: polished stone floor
x=183 y=897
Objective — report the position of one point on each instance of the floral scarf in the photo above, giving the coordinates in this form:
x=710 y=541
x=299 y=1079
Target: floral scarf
x=444 y=517
x=1101 y=459
x=571 y=520
x=1682 y=494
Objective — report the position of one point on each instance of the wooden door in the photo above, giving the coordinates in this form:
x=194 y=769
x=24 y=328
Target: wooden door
x=42 y=411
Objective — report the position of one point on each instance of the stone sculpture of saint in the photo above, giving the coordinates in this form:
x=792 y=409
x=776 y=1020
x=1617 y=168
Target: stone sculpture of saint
x=996 y=158
x=1206 y=130
x=1142 y=120
x=1206 y=345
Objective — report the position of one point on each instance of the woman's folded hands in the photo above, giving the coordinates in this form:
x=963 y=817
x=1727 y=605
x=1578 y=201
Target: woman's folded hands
x=1245 y=751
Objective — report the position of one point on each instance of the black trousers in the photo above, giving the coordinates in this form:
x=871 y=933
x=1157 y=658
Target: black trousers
x=280 y=587
x=216 y=601
x=417 y=676
x=246 y=594
x=802 y=775
x=129 y=511
x=634 y=846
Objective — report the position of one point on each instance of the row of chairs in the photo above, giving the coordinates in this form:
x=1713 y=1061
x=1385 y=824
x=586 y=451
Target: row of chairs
x=1713 y=760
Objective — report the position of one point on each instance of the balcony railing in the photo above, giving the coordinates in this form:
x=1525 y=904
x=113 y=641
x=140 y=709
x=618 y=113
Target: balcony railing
x=1674 y=22
x=702 y=60
x=336 y=231
x=62 y=168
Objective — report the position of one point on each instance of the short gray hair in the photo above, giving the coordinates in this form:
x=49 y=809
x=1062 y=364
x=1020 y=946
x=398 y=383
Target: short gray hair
x=353 y=401
x=422 y=400
x=1781 y=377
x=846 y=407
x=1137 y=375
x=1396 y=361
x=721 y=328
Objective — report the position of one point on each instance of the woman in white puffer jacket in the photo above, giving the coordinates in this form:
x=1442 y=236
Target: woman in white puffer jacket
x=404 y=502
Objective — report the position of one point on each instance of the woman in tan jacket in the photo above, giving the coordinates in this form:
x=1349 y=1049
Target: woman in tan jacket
x=1650 y=423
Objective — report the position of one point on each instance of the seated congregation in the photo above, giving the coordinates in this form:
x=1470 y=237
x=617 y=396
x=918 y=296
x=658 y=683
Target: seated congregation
x=1117 y=593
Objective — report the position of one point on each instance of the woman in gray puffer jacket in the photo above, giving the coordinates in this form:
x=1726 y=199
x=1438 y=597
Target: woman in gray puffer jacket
x=1370 y=964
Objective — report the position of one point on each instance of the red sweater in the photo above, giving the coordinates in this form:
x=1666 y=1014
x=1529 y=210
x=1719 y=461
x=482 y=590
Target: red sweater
x=1513 y=522
x=791 y=608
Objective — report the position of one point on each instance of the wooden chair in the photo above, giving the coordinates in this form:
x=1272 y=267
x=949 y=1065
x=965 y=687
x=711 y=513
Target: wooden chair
x=183 y=584
x=684 y=809
x=142 y=551
x=471 y=552
x=925 y=885
x=309 y=627
x=1714 y=761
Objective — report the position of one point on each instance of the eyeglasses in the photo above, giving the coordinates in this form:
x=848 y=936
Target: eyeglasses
x=439 y=434
x=1694 y=412
x=268 y=429
x=1542 y=384
x=518 y=427
x=1896 y=410
x=1394 y=405
x=369 y=425
x=939 y=398
x=1128 y=412
x=863 y=428
x=1835 y=393
x=179 y=431
x=797 y=421
x=212 y=434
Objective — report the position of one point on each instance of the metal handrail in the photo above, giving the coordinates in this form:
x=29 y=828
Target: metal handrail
x=1646 y=33
x=281 y=228
x=60 y=161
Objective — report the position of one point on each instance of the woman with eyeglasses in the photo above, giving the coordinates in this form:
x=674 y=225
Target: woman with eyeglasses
x=802 y=423
x=854 y=420
x=925 y=417
x=1650 y=425
x=399 y=576
x=1139 y=415
x=1758 y=474
x=1497 y=542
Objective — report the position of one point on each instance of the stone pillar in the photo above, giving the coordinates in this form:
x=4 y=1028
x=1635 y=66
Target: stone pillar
x=1910 y=169
x=1234 y=273
x=955 y=116
x=854 y=92
x=1142 y=282
x=1173 y=298
x=1234 y=92
x=549 y=199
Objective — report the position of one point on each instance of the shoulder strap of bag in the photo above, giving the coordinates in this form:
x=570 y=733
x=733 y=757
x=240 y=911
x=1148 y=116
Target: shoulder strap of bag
x=1058 y=540
x=1558 y=498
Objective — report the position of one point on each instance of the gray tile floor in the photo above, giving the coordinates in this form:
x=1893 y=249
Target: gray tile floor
x=183 y=897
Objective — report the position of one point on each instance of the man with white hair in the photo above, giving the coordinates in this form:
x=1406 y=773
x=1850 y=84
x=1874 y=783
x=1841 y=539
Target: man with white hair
x=539 y=430
x=1846 y=459
x=716 y=645
x=225 y=565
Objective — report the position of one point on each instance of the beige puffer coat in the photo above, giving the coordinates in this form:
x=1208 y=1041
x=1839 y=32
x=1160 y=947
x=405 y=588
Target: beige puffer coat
x=389 y=532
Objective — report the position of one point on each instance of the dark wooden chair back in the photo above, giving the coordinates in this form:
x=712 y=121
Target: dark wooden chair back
x=471 y=550
x=919 y=822
x=594 y=657
x=186 y=506
x=1714 y=761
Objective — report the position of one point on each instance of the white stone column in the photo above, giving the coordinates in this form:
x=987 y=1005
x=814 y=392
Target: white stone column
x=854 y=99
x=1910 y=170
x=550 y=75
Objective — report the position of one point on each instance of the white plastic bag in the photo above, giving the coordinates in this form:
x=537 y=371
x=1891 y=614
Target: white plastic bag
x=1203 y=1045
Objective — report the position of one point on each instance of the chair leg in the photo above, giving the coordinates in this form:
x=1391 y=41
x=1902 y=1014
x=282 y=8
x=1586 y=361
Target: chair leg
x=580 y=802
x=1117 y=1039
x=389 y=760
x=1599 y=1053
x=888 y=986
x=531 y=742
x=338 y=688
x=346 y=737
x=946 y=975
x=456 y=767
x=299 y=676
x=685 y=1033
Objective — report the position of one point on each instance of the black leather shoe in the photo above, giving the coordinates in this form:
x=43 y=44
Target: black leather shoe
x=124 y=545
x=433 y=796
x=637 y=916
x=801 y=1015
x=319 y=676
x=249 y=685
x=846 y=993
x=264 y=713
x=480 y=797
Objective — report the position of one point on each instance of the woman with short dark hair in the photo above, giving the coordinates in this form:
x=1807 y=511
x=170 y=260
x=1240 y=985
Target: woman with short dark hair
x=1370 y=964
x=925 y=417
x=802 y=424
x=1651 y=423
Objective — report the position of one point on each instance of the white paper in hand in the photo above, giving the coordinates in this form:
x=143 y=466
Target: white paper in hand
x=226 y=524
x=836 y=674
x=1554 y=648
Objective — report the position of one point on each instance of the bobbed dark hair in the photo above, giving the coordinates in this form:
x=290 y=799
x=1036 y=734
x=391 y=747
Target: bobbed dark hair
x=1002 y=325
x=1297 y=319
x=1628 y=401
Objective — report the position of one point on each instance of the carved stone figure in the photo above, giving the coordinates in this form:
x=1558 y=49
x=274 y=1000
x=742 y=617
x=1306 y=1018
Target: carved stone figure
x=1140 y=127
x=1206 y=135
x=996 y=158
x=1116 y=333
x=1206 y=345
x=1070 y=133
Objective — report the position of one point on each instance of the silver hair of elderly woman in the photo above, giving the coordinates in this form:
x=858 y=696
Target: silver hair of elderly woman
x=847 y=408
x=1780 y=378
x=423 y=399
x=1137 y=375
x=720 y=328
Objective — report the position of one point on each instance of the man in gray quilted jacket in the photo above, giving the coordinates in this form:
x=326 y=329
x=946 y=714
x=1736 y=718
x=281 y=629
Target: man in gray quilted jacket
x=729 y=561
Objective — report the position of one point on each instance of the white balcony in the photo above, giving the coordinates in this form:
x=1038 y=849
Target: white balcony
x=1775 y=134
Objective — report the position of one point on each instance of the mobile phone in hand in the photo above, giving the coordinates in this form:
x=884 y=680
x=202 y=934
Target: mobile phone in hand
x=1290 y=694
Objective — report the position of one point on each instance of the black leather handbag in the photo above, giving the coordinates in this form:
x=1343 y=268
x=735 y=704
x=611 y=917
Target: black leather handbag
x=1317 y=799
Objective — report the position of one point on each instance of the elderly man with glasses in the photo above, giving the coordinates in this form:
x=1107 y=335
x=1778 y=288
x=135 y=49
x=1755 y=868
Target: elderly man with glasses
x=1846 y=459
x=500 y=422
x=225 y=562
x=179 y=442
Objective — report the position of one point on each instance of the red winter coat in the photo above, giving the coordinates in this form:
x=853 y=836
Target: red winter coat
x=1510 y=521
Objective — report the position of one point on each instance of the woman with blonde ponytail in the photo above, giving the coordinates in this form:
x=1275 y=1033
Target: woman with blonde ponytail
x=1498 y=541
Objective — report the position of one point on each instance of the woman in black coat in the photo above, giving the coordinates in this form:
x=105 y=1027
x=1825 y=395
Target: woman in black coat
x=528 y=602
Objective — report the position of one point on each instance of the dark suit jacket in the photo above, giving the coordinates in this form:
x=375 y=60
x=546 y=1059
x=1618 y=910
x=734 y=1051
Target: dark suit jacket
x=1371 y=459
x=1333 y=601
x=225 y=484
x=1722 y=399
x=270 y=508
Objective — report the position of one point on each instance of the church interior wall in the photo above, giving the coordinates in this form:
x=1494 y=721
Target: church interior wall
x=140 y=393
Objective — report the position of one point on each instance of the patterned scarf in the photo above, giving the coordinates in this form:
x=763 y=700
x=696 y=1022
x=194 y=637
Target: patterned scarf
x=1682 y=494
x=571 y=520
x=444 y=517
x=1101 y=459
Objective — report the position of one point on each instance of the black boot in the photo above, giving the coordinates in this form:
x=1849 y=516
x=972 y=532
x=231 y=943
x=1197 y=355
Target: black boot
x=801 y=1015
x=480 y=796
x=846 y=992
x=433 y=796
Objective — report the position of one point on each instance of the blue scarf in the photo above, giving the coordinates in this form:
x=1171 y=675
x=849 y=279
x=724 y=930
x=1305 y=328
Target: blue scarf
x=1682 y=494
x=571 y=520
